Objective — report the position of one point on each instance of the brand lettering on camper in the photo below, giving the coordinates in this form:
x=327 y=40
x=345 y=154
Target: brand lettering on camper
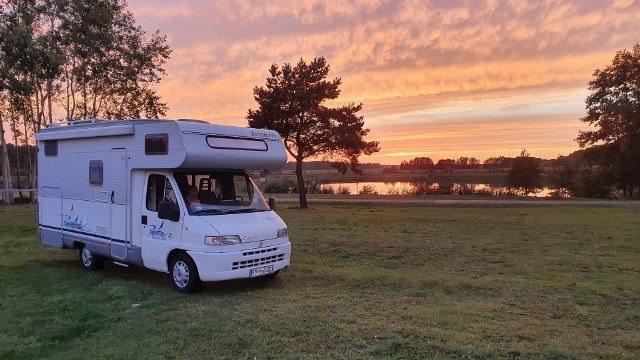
x=248 y=238
x=263 y=135
x=157 y=233
x=73 y=224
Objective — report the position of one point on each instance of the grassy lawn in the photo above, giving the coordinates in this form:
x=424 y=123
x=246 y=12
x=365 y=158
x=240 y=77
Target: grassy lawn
x=366 y=281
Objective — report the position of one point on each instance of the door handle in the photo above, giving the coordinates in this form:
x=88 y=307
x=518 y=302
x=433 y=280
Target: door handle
x=113 y=194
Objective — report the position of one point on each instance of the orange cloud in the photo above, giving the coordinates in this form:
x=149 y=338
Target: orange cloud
x=422 y=66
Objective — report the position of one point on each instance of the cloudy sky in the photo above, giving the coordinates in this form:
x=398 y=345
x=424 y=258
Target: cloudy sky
x=438 y=78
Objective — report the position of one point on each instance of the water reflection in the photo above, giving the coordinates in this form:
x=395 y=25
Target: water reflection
x=411 y=188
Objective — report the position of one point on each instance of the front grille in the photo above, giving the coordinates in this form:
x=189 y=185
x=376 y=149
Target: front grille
x=251 y=253
x=258 y=261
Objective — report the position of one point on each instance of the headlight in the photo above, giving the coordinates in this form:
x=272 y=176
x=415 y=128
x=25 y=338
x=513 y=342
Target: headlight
x=222 y=240
x=282 y=233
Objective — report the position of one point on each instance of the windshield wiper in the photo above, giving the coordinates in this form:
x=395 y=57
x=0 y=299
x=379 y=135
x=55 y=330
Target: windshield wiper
x=208 y=211
x=243 y=211
x=224 y=211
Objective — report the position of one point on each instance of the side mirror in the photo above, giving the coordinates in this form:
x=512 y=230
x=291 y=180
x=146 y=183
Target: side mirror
x=168 y=211
x=272 y=203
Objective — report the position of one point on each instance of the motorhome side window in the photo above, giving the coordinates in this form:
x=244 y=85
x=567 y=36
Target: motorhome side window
x=156 y=144
x=159 y=189
x=51 y=148
x=95 y=172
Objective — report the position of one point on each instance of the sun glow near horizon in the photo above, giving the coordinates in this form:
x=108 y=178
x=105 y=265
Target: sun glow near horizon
x=437 y=79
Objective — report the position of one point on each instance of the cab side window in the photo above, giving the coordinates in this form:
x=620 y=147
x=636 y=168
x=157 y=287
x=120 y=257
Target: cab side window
x=159 y=189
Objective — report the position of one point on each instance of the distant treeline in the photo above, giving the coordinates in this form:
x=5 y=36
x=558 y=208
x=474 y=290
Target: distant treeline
x=574 y=175
x=427 y=164
x=325 y=165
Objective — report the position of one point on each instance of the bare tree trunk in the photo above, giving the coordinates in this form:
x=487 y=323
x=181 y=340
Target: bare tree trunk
x=14 y=129
x=49 y=91
x=71 y=97
x=301 y=189
x=84 y=94
x=122 y=102
x=119 y=115
x=94 y=110
x=6 y=169
x=39 y=108
x=34 y=162
x=29 y=160
x=49 y=81
x=73 y=86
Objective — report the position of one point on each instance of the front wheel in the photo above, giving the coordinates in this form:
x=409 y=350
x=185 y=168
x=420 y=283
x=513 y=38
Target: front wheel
x=89 y=261
x=184 y=274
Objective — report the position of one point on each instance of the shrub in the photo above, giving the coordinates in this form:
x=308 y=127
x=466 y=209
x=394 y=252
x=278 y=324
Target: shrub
x=280 y=186
x=319 y=189
x=422 y=188
x=368 y=190
x=394 y=190
x=21 y=200
x=463 y=189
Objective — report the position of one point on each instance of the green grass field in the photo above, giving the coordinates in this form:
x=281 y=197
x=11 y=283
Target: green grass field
x=366 y=281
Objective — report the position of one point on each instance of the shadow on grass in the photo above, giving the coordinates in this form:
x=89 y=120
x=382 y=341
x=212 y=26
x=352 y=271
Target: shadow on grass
x=141 y=276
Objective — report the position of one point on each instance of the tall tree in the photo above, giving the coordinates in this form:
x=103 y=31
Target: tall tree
x=446 y=165
x=421 y=163
x=89 y=57
x=86 y=58
x=467 y=162
x=497 y=162
x=525 y=173
x=111 y=66
x=613 y=108
x=30 y=56
x=293 y=102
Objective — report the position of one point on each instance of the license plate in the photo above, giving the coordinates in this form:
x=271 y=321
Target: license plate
x=261 y=271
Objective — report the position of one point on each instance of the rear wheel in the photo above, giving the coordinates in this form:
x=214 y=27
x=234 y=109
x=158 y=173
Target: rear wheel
x=184 y=274
x=89 y=261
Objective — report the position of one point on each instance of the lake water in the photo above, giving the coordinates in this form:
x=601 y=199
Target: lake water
x=411 y=188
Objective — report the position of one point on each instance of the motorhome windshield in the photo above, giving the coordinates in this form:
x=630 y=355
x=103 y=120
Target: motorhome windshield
x=219 y=192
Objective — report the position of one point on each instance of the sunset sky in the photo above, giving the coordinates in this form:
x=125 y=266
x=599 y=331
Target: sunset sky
x=443 y=79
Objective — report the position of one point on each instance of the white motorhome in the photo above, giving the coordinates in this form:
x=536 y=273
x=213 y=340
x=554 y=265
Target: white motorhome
x=172 y=196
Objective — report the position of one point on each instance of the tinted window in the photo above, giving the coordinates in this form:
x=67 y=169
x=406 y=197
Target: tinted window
x=51 y=148
x=95 y=172
x=156 y=144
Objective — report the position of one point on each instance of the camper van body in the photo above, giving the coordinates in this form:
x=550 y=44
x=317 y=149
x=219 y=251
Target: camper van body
x=117 y=190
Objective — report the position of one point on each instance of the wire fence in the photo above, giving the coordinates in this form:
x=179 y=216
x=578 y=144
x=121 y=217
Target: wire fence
x=18 y=196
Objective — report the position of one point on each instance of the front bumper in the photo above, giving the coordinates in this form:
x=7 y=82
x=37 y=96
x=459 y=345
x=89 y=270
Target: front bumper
x=238 y=264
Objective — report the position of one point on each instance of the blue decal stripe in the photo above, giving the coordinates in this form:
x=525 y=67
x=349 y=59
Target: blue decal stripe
x=82 y=233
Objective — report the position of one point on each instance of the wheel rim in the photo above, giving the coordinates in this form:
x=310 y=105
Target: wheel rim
x=87 y=258
x=181 y=273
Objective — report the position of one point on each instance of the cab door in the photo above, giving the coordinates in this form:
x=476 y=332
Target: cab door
x=159 y=236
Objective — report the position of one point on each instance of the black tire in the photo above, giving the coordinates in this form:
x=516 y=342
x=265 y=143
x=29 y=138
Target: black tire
x=184 y=274
x=89 y=261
